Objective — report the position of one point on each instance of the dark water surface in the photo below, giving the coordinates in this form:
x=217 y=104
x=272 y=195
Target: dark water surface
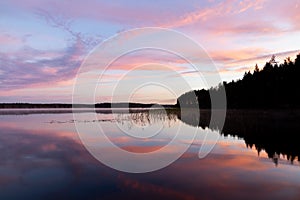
x=256 y=156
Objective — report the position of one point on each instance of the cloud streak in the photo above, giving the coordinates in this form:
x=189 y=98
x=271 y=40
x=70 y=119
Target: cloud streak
x=237 y=34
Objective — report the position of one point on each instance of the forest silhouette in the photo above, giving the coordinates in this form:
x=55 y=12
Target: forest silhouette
x=274 y=86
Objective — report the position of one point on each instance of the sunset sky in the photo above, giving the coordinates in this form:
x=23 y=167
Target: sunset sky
x=43 y=42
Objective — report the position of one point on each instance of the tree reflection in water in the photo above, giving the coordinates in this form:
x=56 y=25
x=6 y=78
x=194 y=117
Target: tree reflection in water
x=276 y=132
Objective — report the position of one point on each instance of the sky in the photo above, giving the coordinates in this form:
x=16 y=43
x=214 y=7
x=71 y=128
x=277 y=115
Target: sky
x=45 y=42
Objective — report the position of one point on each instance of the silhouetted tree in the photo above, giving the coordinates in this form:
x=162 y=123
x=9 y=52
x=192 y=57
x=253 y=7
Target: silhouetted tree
x=272 y=60
x=256 y=69
x=275 y=86
x=297 y=60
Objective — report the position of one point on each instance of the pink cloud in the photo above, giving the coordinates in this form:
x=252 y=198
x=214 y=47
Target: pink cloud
x=10 y=43
x=6 y=39
x=261 y=17
x=146 y=57
x=224 y=8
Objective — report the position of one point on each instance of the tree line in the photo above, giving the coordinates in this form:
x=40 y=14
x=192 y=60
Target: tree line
x=274 y=86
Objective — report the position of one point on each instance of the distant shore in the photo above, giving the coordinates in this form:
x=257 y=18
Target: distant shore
x=63 y=105
x=57 y=106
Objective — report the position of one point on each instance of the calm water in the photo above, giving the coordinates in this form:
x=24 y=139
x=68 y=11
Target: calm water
x=256 y=156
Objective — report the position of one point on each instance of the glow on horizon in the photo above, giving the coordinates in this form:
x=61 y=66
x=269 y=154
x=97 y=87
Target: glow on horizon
x=44 y=42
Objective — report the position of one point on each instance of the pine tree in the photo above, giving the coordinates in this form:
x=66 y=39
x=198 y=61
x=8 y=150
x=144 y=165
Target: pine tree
x=256 y=69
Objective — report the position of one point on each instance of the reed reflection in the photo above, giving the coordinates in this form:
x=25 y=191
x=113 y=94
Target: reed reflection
x=272 y=131
x=147 y=117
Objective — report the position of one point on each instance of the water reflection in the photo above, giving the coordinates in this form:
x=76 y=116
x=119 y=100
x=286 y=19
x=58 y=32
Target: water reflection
x=145 y=118
x=276 y=132
x=41 y=160
x=272 y=131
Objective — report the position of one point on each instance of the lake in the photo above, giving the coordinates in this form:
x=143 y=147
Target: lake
x=255 y=156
